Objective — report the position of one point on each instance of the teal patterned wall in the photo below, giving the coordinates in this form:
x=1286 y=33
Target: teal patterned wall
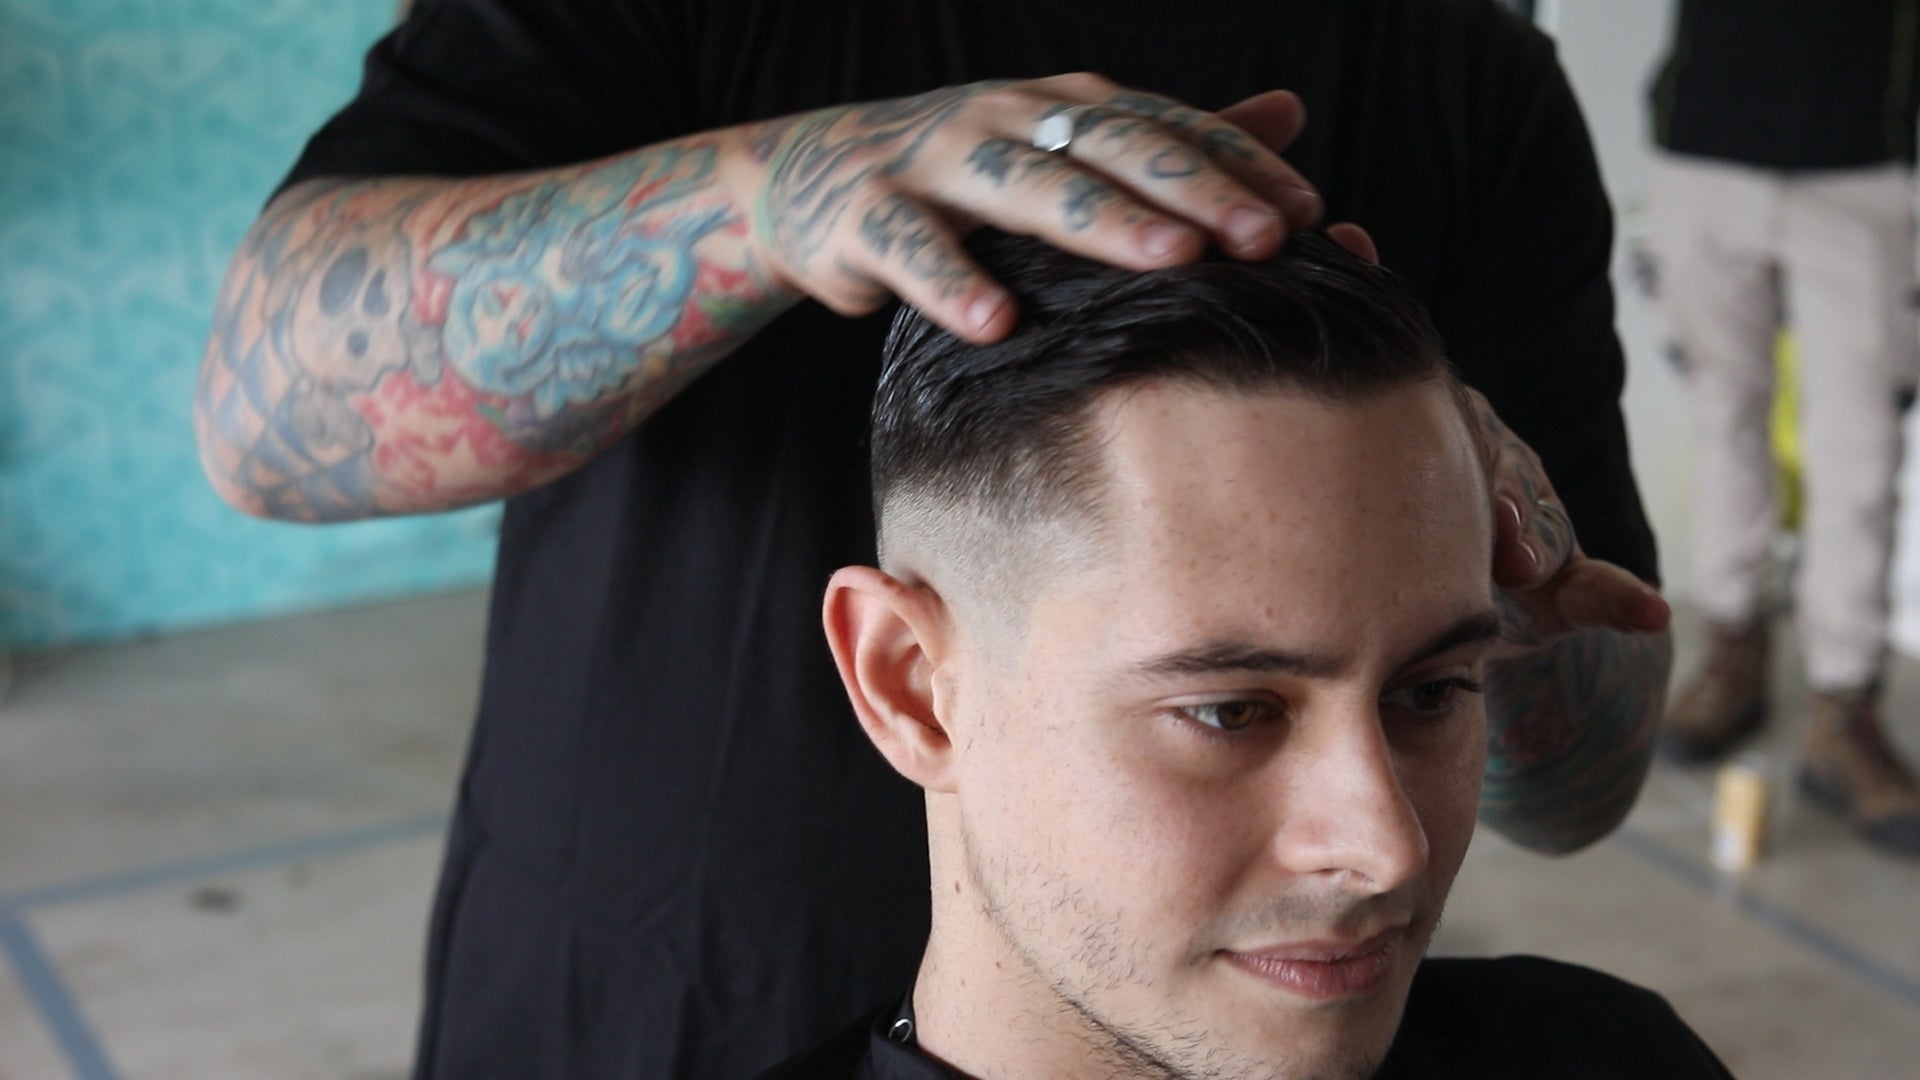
x=138 y=139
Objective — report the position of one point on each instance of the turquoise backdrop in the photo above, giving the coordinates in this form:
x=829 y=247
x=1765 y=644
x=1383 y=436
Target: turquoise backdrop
x=138 y=138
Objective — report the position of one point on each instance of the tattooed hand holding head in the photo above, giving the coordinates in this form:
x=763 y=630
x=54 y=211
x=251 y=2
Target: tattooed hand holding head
x=1549 y=587
x=1580 y=681
x=870 y=201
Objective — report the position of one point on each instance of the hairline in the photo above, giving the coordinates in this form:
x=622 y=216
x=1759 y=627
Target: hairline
x=1065 y=532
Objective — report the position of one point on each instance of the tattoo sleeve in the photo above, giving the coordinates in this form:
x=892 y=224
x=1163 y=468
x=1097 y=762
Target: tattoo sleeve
x=406 y=344
x=1570 y=736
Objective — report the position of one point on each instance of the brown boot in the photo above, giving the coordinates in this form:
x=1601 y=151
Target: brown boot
x=1851 y=769
x=1723 y=704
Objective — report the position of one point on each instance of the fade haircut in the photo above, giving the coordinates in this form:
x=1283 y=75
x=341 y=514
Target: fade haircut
x=968 y=436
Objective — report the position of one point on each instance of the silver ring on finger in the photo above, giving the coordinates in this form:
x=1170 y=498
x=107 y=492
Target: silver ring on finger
x=1056 y=130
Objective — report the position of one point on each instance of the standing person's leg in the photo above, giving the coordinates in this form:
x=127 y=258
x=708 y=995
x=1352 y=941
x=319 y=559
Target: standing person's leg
x=1848 y=256
x=1714 y=230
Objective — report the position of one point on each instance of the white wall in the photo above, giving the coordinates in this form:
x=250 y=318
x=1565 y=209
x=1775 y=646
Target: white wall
x=1609 y=48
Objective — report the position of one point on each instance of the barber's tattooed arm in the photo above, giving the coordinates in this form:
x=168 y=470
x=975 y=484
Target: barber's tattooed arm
x=1573 y=702
x=401 y=344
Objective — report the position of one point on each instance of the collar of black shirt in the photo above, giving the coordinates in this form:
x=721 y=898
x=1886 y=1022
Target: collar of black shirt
x=893 y=1050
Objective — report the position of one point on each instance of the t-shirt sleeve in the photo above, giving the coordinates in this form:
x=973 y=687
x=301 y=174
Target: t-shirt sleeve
x=1528 y=304
x=469 y=87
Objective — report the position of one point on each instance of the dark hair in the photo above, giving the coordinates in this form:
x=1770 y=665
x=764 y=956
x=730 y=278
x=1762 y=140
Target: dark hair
x=1001 y=427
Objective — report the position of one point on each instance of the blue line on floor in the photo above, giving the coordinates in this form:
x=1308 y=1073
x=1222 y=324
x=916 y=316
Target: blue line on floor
x=339 y=843
x=1776 y=918
x=56 y=1005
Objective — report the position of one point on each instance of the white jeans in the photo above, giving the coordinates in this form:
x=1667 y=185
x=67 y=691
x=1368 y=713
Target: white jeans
x=1740 y=251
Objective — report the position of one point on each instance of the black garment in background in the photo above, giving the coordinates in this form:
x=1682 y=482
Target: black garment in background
x=1791 y=84
x=1516 y=1018
x=674 y=853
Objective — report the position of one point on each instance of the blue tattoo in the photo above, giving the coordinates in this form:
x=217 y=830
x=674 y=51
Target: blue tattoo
x=556 y=290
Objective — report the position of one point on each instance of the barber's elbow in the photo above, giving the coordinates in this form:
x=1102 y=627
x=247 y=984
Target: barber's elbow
x=1540 y=840
x=1575 y=837
x=1568 y=826
x=237 y=455
x=223 y=463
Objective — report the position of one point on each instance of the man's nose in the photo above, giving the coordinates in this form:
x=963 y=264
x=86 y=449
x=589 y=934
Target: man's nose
x=1344 y=811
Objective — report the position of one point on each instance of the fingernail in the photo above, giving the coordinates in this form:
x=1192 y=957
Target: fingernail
x=982 y=310
x=1510 y=509
x=1534 y=562
x=1300 y=205
x=1251 y=229
x=1161 y=239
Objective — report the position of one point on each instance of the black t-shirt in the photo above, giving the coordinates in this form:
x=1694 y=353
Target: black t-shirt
x=675 y=853
x=1791 y=84
x=1516 y=1018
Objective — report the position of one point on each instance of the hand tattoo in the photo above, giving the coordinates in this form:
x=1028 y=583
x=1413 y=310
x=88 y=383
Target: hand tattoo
x=819 y=161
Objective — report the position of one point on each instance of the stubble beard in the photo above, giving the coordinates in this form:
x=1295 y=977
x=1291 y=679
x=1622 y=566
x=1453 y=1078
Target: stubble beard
x=1168 y=1047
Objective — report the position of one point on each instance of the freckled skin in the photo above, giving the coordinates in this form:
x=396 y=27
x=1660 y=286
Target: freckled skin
x=1108 y=852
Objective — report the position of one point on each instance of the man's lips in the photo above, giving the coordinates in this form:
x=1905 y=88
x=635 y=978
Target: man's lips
x=1324 y=970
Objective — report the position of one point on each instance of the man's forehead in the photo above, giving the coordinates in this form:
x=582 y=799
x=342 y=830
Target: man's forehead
x=1261 y=518
x=1168 y=443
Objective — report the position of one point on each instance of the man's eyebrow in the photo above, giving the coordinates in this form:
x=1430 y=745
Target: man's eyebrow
x=1478 y=628
x=1235 y=656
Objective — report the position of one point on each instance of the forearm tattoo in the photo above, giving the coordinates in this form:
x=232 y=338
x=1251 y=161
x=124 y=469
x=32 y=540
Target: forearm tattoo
x=1570 y=736
x=384 y=346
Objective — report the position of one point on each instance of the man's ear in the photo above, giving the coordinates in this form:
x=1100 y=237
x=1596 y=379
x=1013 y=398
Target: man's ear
x=888 y=638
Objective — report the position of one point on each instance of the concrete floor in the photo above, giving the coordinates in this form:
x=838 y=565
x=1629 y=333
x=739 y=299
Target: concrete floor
x=216 y=852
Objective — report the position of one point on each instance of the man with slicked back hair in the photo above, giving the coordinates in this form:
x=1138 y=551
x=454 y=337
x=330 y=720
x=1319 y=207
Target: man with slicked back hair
x=1181 y=625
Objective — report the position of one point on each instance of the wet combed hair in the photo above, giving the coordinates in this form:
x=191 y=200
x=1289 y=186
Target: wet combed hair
x=1000 y=430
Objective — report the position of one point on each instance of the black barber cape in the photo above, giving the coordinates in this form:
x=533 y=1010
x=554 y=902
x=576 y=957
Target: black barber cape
x=674 y=852
x=1516 y=1018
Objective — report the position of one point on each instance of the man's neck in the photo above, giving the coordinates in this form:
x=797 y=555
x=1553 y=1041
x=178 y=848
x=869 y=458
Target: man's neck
x=979 y=1006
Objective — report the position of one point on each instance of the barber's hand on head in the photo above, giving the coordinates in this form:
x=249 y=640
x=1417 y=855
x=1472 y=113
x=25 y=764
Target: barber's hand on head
x=1548 y=586
x=859 y=203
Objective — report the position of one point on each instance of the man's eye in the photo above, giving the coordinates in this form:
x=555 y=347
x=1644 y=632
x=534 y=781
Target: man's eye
x=1435 y=697
x=1231 y=715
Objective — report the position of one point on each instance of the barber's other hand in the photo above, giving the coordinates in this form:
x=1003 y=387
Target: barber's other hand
x=854 y=204
x=1548 y=586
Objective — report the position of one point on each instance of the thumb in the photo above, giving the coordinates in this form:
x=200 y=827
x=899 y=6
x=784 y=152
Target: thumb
x=1593 y=592
x=1355 y=240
